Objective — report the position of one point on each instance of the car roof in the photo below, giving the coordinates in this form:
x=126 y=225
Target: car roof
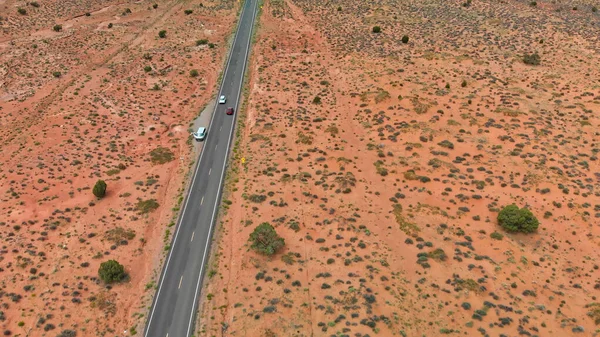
x=222 y=96
x=201 y=129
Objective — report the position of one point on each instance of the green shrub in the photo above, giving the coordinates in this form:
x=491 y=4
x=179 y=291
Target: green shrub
x=532 y=59
x=265 y=239
x=188 y=11
x=57 y=74
x=147 y=69
x=57 y=28
x=146 y=206
x=201 y=42
x=162 y=34
x=376 y=29
x=464 y=83
x=317 y=100
x=513 y=219
x=111 y=271
x=194 y=73
x=405 y=39
x=161 y=155
x=99 y=189
x=496 y=236
x=22 y=11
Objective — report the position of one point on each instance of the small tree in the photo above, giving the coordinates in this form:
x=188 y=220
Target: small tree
x=532 y=59
x=162 y=34
x=111 y=271
x=99 y=189
x=376 y=29
x=265 y=239
x=515 y=219
x=405 y=39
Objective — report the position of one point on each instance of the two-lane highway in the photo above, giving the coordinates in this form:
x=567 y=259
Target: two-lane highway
x=174 y=307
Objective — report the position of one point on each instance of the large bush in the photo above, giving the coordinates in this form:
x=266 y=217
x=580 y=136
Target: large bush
x=111 y=271
x=515 y=219
x=99 y=189
x=265 y=239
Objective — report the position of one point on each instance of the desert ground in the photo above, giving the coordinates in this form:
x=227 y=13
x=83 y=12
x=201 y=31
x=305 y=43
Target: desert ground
x=383 y=164
x=89 y=90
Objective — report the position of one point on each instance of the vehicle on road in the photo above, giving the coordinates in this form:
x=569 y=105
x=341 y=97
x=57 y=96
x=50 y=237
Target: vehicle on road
x=229 y=111
x=200 y=134
x=222 y=99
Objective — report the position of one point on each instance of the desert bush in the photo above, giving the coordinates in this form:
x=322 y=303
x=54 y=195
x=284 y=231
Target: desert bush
x=376 y=29
x=194 y=73
x=188 y=11
x=99 y=189
x=155 y=6
x=146 y=206
x=147 y=69
x=594 y=9
x=201 y=42
x=265 y=239
x=161 y=155
x=515 y=219
x=496 y=236
x=464 y=83
x=110 y=25
x=532 y=59
x=317 y=100
x=405 y=39
x=162 y=34
x=22 y=11
x=111 y=271
x=67 y=333
x=57 y=28
x=57 y=74
x=34 y=4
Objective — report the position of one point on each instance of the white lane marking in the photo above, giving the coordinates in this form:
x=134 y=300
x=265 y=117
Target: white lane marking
x=212 y=119
x=209 y=170
x=193 y=236
x=201 y=201
x=222 y=172
x=167 y=334
x=221 y=128
x=216 y=147
x=180 y=280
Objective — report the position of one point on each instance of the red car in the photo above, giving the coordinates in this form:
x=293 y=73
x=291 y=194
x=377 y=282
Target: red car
x=229 y=111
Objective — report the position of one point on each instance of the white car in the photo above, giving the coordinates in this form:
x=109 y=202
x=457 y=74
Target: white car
x=200 y=134
x=222 y=99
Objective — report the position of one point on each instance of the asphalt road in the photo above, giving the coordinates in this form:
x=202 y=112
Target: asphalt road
x=176 y=301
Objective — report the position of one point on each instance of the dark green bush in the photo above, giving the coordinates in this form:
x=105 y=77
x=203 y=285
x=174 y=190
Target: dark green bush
x=99 y=189
x=405 y=39
x=515 y=219
x=57 y=28
x=376 y=29
x=532 y=59
x=265 y=239
x=111 y=271
x=162 y=34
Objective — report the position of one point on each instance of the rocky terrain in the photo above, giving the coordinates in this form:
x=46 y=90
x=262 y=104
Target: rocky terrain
x=381 y=138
